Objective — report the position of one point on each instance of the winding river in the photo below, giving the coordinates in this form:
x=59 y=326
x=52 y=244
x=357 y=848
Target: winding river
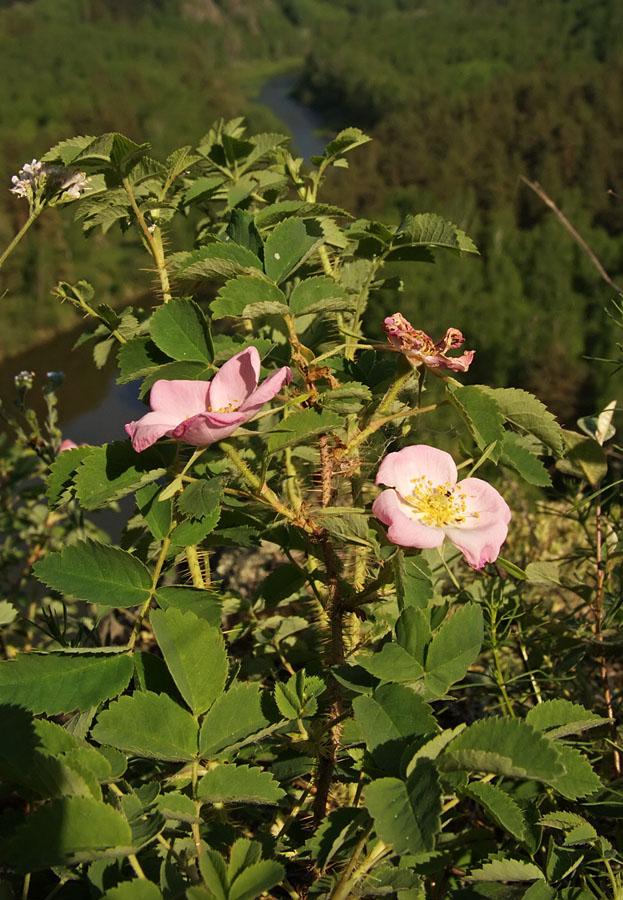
x=93 y=408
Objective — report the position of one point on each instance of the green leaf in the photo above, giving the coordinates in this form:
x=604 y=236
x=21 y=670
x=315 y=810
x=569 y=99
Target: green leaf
x=481 y=414
x=284 y=209
x=147 y=724
x=454 y=647
x=62 y=472
x=221 y=260
x=296 y=697
x=505 y=869
x=8 y=613
x=113 y=148
x=193 y=531
x=281 y=583
x=242 y=230
x=407 y=813
x=498 y=806
x=139 y=889
x=287 y=247
x=506 y=747
x=214 y=872
x=194 y=653
x=433 y=231
x=66 y=151
x=67 y=832
x=413 y=579
x=203 y=186
x=256 y=880
x=201 y=498
x=578 y=779
x=301 y=425
x=559 y=718
x=114 y=470
x=97 y=573
x=179 y=329
x=346 y=140
x=239 y=784
x=243 y=291
x=205 y=604
x=584 y=458
x=151 y=674
x=234 y=718
x=157 y=514
x=180 y=807
x=59 y=684
x=390 y=719
x=244 y=853
x=314 y=295
x=516 y=455
x=526 y=412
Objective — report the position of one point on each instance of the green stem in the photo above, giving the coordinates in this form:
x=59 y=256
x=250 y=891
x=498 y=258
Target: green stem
x=499 y=674
x=195 y=826
x=145 y=607
x=20 y=234
x=342 y=891
x=153 y=241
x=136 y=866
x=348 y=871
x=362 y=299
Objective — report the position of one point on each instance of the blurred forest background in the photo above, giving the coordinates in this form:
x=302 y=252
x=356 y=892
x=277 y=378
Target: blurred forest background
x=462 y=97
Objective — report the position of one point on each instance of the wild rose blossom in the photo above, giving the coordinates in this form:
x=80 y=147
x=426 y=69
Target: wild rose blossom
x=421 y=350
x=200 y=412
x=424 y=504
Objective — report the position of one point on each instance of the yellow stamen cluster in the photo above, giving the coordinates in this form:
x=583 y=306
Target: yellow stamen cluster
x=437 y=505
x=232 y=406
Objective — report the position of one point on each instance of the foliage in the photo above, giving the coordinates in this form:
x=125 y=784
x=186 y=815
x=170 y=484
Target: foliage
x=350 y=718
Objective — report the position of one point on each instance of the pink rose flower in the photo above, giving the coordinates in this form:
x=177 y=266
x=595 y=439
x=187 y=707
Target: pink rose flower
x=421 y=350
x=67 y=444
x=200 y=412
x=425 y=504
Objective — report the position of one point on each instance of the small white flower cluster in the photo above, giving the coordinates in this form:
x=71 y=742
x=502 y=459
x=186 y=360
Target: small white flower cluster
x=74 y=184
x=36 y=176
x=27 y=178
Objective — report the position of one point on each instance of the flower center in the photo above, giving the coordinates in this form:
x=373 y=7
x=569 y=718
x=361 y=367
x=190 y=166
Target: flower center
x=438 y=505
x=232 y=406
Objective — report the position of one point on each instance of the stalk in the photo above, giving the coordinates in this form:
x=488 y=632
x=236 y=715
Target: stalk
x=20 y=234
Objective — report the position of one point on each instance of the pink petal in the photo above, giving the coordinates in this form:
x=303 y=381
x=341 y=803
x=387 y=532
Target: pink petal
x=481 y=537
x=206 y=428
x=266 y=391
x=179 y=398
x=235 y=381
x=453 y=363
x=67 y=444
x=398 y=469
x=152 y=426
x=403 y=530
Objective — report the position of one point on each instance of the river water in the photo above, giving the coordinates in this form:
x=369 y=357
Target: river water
x=93 y=408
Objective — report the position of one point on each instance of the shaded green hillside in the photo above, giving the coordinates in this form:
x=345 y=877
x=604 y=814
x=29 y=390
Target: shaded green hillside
x=463 y=97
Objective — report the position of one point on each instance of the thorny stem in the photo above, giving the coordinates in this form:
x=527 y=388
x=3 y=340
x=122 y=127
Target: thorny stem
x=598 y=612
x=335 y=656
x=20 y=234
x=374 y=426
x=153 y=241
x=145 y=607
x=261 y=490
x=194 y=566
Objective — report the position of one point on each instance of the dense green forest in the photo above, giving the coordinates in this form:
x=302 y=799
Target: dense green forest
x=463 y=97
